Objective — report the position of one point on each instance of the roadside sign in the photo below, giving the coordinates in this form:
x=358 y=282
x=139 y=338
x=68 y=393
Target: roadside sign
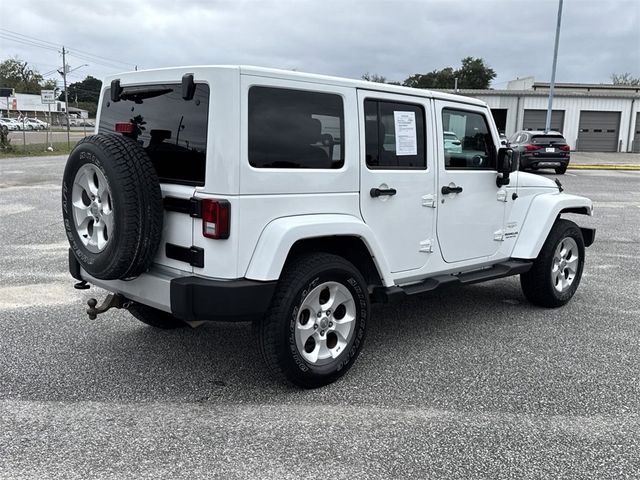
x=48 y=96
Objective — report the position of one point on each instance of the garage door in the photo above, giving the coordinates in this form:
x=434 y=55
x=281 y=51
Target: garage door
x=598 y=131
x=537 y=119
x=636 y=136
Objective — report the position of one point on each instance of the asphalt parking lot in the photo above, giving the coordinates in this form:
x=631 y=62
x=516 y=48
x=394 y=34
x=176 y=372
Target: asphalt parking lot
x=471 y=383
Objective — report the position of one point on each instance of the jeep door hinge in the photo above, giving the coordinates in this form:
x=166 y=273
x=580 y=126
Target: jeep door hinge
x=502 y=195
x=498 y=235
x=429 y=201
x=426 y=246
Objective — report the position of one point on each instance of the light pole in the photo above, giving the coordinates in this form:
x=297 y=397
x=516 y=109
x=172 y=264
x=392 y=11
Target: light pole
x=547 y=125
x=65 y=70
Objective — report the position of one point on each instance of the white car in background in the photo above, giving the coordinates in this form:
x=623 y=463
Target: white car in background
x=11 y=123
x=37 y=123
x=452 y=143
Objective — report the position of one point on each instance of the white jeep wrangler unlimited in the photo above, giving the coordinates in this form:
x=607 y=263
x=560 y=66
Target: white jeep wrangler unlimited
x=296 y=200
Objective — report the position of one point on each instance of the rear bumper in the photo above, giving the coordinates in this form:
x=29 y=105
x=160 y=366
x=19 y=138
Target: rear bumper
x=197 y=298
x=543 y=162
x=189 y=297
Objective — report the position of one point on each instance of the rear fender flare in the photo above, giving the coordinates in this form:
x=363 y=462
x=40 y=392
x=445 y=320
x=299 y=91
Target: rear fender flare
x=281 y=234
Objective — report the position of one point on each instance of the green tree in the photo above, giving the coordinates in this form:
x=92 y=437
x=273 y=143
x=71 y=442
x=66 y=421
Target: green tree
x=444 y=78
x=473 y=73
x=88 y=90
x=14 y=73
x=374 y=77
x=624 y=79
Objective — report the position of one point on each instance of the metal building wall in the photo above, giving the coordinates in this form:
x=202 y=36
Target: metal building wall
x=572 y=105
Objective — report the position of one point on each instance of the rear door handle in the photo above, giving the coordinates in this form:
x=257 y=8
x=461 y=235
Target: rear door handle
x=379 y=192
x=451 y=189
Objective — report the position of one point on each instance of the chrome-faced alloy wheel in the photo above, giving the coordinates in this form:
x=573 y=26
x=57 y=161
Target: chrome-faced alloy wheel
x=325 y=323
x=92 y=208
x=565 y=264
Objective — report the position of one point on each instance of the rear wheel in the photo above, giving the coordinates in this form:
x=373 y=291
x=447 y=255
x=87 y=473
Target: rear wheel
x=561 y=170
x=316 y=324
x=556 y=273
x=154 y=317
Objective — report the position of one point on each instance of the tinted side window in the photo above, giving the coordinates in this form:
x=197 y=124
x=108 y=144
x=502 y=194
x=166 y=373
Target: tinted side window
x=394 y=135
x=475 y=149
x=295 y=129
x=173 y=131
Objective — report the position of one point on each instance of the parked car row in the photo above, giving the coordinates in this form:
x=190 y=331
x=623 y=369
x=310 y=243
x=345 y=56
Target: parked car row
x=23 y=124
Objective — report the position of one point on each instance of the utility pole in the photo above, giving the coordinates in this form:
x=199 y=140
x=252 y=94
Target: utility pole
x=547 y=126
x=66 y=94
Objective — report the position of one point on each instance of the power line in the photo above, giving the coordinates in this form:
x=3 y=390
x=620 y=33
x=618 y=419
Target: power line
x=45 y=44
x=26 y=42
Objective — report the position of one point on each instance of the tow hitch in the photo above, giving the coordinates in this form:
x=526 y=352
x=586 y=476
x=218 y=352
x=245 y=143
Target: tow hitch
x=113 y=300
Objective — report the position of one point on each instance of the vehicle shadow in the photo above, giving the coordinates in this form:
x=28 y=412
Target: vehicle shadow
x=437 y=348
x=220 y=361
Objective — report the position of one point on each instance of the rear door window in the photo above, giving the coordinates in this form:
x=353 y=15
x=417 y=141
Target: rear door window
x=173 y=131
x=394 y=135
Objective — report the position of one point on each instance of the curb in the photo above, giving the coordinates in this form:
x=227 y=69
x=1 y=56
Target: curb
x=602 y=166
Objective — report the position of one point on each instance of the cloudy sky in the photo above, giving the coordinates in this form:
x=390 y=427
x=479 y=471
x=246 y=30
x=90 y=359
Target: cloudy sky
x=336 y=37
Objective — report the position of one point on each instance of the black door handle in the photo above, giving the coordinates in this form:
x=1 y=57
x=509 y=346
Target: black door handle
x=446 y=189
x=379 y=192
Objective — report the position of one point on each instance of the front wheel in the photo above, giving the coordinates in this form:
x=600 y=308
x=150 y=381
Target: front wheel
x=316 y=324
x=556 y=273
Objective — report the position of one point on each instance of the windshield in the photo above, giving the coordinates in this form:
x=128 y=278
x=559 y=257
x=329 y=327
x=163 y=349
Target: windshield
x=173 y=131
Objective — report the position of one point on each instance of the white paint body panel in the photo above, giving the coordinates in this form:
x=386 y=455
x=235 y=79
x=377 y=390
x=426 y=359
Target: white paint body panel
x=399 y=222
x=468 y=220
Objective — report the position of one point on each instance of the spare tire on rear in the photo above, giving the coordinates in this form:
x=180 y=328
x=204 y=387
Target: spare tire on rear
x=112 y=206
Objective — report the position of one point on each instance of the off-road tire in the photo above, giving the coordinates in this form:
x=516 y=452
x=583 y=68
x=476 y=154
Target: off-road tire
x=136 y=203
x=154 y=317
x=276 y=331
x=561 y=170
x=537 y=284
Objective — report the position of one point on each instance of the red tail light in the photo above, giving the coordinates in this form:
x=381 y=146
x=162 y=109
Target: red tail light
x=216 y=218
x=565 y=148
x=124 y=127
x=530 y=147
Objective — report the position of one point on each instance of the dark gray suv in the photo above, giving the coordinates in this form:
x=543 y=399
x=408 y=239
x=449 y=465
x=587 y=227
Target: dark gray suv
x=537 y=149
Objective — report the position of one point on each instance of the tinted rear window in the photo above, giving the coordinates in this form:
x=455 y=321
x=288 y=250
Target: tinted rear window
x=295 y=129
x=548 y=138
x=173 y=131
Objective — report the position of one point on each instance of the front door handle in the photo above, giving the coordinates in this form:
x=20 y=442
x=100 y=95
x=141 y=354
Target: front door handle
x=451 y=188
x=379 y=192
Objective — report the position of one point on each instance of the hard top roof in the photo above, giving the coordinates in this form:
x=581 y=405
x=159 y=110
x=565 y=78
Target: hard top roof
x=298 y=76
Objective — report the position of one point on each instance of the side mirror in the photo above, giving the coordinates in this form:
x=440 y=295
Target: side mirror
x=506 y=165
x=506 y=162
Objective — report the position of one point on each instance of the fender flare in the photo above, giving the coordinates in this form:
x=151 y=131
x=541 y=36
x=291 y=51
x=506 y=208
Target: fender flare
x=279 y=236
x=542 y=214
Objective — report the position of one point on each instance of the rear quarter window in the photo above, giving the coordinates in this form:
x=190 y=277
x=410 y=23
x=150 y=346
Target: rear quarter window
x=295 y=129
x=173 y=131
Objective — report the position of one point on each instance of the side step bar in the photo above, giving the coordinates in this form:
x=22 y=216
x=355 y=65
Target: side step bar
x=499 y=270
